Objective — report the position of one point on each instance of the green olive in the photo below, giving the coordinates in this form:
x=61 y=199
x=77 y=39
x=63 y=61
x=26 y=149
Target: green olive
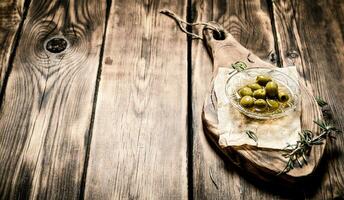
x=272 y=104
x=278 y=111
x=245 y=91
x=246 y=101
x=260 y=103
x=254 y=86
x=271 y=89
x=259 y=94
x=283 y=97
x=263 y=79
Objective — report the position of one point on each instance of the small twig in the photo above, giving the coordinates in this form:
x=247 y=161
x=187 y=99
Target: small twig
x=212 y=179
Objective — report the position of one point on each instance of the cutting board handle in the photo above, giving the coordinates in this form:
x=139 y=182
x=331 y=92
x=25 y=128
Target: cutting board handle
x=225 y=50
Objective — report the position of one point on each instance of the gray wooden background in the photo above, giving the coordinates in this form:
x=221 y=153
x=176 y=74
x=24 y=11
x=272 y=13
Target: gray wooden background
x=117 y=114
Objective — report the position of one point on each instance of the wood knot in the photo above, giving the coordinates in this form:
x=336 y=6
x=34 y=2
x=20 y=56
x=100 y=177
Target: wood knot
x=292 y=54
x=108 y=61
x=56 y=45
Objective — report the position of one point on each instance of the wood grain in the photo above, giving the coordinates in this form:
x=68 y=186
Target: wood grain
x=45 y=115
x=139 y=141
x=11 y=15
x=310 y=35
x=214 y=176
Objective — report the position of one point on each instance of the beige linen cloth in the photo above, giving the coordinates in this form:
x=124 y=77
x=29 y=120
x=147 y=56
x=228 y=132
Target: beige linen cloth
x=272 y=134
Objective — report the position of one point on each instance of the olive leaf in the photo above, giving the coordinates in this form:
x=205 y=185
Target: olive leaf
x=239 y=66
x=321 y=102
x=252 y=135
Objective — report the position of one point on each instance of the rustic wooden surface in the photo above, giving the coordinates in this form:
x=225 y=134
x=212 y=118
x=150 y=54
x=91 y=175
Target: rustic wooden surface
x=47 y=106
x=118 y=113
x=11 y=13
x=139 y=139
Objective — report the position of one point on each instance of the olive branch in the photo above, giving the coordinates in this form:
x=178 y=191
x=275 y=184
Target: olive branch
x=297 y=153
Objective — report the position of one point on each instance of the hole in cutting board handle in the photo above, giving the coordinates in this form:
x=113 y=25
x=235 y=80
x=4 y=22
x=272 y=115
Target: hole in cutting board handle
x=219 y=35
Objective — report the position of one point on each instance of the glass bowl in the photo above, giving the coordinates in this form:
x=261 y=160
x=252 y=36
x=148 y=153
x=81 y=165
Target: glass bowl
x=239 y=79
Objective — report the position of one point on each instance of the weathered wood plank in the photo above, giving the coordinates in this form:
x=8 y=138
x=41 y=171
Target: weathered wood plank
x=139 y=141
x=310 y=35
x=214 y=177
x=11 y=14
x=47 y=106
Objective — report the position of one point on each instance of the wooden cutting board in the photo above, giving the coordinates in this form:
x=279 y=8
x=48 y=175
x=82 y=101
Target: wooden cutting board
x=262 y=163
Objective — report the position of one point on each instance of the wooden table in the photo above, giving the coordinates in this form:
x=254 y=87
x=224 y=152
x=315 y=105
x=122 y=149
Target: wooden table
x=117 y=113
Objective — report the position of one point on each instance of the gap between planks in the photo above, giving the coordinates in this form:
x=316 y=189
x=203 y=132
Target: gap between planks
x=190 y=137
x=13 y=51
x=94 y=106
x=279 y=62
